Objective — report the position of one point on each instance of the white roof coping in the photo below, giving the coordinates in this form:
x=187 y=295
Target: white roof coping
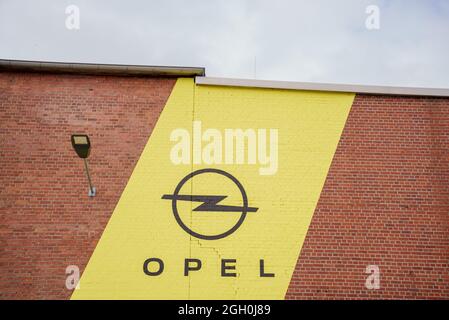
x=289 y=85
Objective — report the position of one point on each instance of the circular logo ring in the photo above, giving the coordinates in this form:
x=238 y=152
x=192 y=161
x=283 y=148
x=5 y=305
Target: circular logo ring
x=202 y=236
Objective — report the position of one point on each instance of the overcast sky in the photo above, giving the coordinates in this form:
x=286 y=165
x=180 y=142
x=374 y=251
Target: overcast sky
x=315 y=40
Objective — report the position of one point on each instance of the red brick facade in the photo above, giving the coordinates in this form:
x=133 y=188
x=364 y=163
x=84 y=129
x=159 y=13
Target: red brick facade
x=47 y=220
x=385 y=201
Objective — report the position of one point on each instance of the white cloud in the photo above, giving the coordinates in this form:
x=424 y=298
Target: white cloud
x=322 y=41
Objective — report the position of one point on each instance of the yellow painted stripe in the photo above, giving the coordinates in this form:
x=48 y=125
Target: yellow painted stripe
x=143 y=226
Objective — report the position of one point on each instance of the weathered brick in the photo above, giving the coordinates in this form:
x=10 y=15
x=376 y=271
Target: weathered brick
x=47 y=220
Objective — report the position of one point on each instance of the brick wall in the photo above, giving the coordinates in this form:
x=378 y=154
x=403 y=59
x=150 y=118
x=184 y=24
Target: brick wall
x=385 y=202
x=47 y=220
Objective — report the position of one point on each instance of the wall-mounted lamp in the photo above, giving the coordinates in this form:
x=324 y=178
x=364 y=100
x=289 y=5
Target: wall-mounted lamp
x=81 y=144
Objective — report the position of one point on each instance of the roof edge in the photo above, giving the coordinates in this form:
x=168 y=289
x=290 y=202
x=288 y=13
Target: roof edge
x=289 y=85
x=99 y=69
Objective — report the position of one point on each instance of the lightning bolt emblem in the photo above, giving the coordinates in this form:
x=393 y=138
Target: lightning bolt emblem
x=209 y=203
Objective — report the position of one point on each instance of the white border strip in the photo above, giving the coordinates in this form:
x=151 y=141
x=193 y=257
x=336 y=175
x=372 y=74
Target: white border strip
x=433 y=92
